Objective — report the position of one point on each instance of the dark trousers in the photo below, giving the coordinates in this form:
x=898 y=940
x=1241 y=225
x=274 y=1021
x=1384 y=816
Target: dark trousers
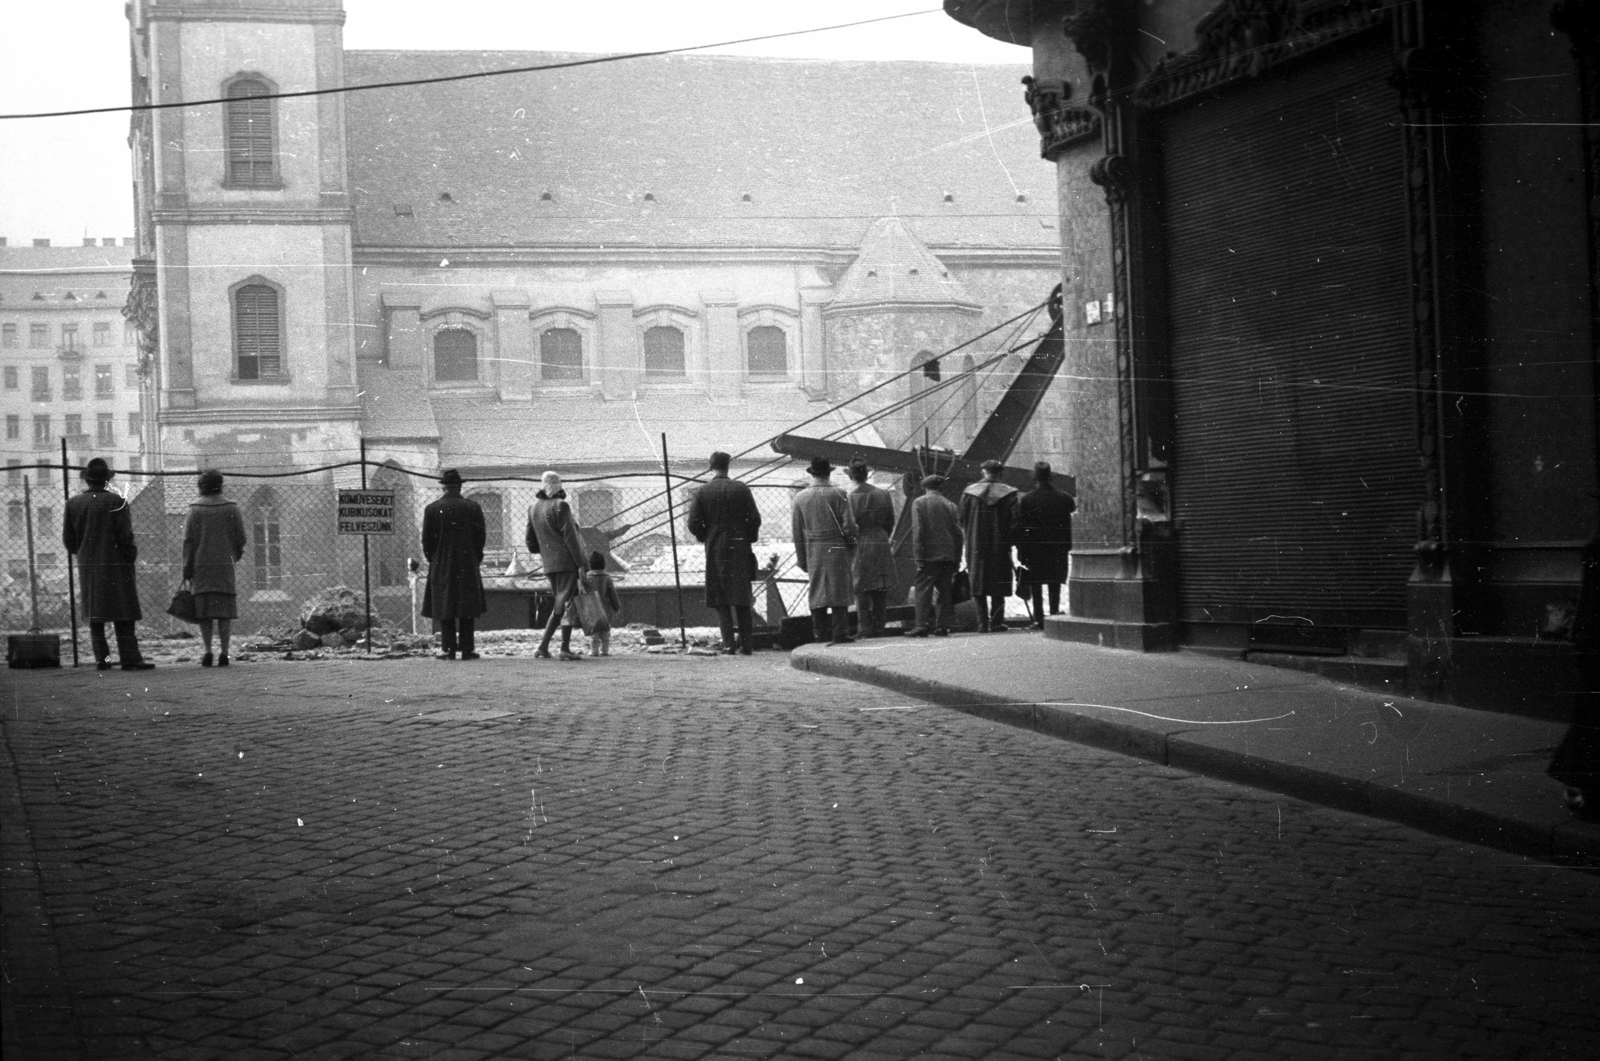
x=838 y=631
x=871 y=608
x=127 y=642
x=727 y=615
x=995 y=616
x=454 y=633
x=936 y=576
x=1038 y=601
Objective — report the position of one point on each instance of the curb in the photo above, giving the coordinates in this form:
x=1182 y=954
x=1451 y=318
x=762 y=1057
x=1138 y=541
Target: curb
x=1568 y=844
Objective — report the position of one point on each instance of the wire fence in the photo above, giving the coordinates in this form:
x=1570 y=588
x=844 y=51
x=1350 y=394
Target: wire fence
x=295 y=551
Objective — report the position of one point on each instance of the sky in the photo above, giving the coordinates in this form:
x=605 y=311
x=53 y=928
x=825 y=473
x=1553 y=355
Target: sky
x=66 y=178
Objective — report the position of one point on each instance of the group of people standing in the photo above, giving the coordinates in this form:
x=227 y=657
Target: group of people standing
x=842 y=542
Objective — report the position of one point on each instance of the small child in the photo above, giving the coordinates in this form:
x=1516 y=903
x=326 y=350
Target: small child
x=599 y=583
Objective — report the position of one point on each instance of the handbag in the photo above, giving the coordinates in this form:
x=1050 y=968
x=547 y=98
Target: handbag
x=961 y=587
x=182 y=606
x=591 y=611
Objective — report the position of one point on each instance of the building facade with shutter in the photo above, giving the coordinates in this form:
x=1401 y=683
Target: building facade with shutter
x=1352 y=273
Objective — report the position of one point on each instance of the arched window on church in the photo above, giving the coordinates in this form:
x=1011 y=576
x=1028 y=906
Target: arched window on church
x=257 y=331
x=561 y=354
x=767 y=350
x=252 y=160
x=494 y=520
x=663 y=351
x=266 y=539
x=455 y=356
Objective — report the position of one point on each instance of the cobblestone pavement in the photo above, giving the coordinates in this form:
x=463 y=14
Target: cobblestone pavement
x=689 y=857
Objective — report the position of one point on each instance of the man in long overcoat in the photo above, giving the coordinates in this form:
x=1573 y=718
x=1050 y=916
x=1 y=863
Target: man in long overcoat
x=1044 y=542
x=989 y=518
x=723 y=515
x=98 y=530
x=553 y=534
x=873 y=569
x=936 y=547
x=453 y=535
x=824 y=536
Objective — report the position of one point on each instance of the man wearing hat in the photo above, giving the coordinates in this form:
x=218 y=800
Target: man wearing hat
x=453 y=535
x=989 y=518
x=723 y=515
x=1044 y=542
x=936 y=547
x=98 y=530
x=553 y=534
x=873 y=568
x=824 y=537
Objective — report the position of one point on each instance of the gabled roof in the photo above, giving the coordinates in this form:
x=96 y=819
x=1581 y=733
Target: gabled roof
x=394 y=405
x=894 y=268
x=692 y=150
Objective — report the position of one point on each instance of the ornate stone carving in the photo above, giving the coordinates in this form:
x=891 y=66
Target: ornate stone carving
x=1244 y=38
x=143 y=309
x=1060 y=124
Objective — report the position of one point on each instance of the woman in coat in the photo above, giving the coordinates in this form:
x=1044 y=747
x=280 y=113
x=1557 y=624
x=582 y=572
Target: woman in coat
x=213 y=541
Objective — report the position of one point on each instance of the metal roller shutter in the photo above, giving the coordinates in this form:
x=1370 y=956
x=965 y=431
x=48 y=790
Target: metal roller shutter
x=1296 y=480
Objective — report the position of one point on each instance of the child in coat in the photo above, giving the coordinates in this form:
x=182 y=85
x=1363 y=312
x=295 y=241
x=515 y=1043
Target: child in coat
x=596 y=581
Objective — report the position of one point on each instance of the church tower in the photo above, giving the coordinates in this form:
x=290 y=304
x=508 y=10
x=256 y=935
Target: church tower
x=244 y=213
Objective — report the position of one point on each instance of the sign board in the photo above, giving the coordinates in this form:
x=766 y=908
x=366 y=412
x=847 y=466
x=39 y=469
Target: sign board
x=366 y=511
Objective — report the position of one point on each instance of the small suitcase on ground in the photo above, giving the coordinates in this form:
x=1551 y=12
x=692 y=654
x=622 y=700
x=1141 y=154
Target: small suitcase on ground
x=33 y=649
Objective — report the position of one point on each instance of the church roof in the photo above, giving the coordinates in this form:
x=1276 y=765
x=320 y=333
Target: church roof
x=692 y=150
x=894 y=268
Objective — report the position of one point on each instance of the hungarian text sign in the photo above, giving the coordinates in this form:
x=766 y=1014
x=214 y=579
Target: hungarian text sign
x=366 y=511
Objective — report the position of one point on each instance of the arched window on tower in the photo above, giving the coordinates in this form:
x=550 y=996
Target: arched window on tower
x=767 y=350
x=455 y=356
x=252 y=160
x=663 y=351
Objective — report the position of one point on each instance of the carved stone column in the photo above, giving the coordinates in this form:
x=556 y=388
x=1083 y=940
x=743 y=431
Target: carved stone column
x=516 y=365
x=1123 y=592
x=617 y=359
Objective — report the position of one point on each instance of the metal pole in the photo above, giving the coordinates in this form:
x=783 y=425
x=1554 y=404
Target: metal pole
x=672 y=527
x=33 y=582
x=366 y=553
x=72 y=591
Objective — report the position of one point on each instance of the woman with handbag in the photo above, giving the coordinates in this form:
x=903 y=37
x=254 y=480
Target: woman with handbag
x=213 y=541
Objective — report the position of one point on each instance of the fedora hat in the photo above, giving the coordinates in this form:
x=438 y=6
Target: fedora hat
x=97 y=471
x=450 y=477
x=819 y=467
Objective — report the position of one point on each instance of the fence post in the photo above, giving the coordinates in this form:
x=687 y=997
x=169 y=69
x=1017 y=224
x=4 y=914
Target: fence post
x=72 y=590
x=366 y=553
x=672 y=529
x=33 y=581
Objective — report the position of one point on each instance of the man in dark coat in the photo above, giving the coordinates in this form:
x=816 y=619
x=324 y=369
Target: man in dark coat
x=553 y=534
x=98 y=530
x=936 y=547
x=1044 y=542
x=873 y=565
x=989 y=517
x=824 y=540
x=453 y=534
x=724 y=516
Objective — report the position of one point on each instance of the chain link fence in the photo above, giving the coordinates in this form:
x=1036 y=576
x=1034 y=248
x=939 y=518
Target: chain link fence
x=295 y=550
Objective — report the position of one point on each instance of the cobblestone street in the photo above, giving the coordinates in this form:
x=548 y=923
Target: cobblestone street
x=688 y=857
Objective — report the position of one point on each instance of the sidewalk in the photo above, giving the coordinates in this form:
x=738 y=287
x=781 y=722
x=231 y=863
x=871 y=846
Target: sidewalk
x=1470 y=775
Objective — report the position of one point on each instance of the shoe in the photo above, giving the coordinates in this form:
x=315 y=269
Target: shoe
x=941 y=633
x=567 y=657
x=744 y=650
x=917 y=631
x=999 y=629
x=141 y=665
x=444 y=655
x=470 y=655
x=727 y=650
x=103 y=664
x=205 y=660
x=222 y=660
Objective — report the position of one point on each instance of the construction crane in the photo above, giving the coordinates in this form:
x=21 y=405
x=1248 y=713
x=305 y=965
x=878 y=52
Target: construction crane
x=995 y=440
